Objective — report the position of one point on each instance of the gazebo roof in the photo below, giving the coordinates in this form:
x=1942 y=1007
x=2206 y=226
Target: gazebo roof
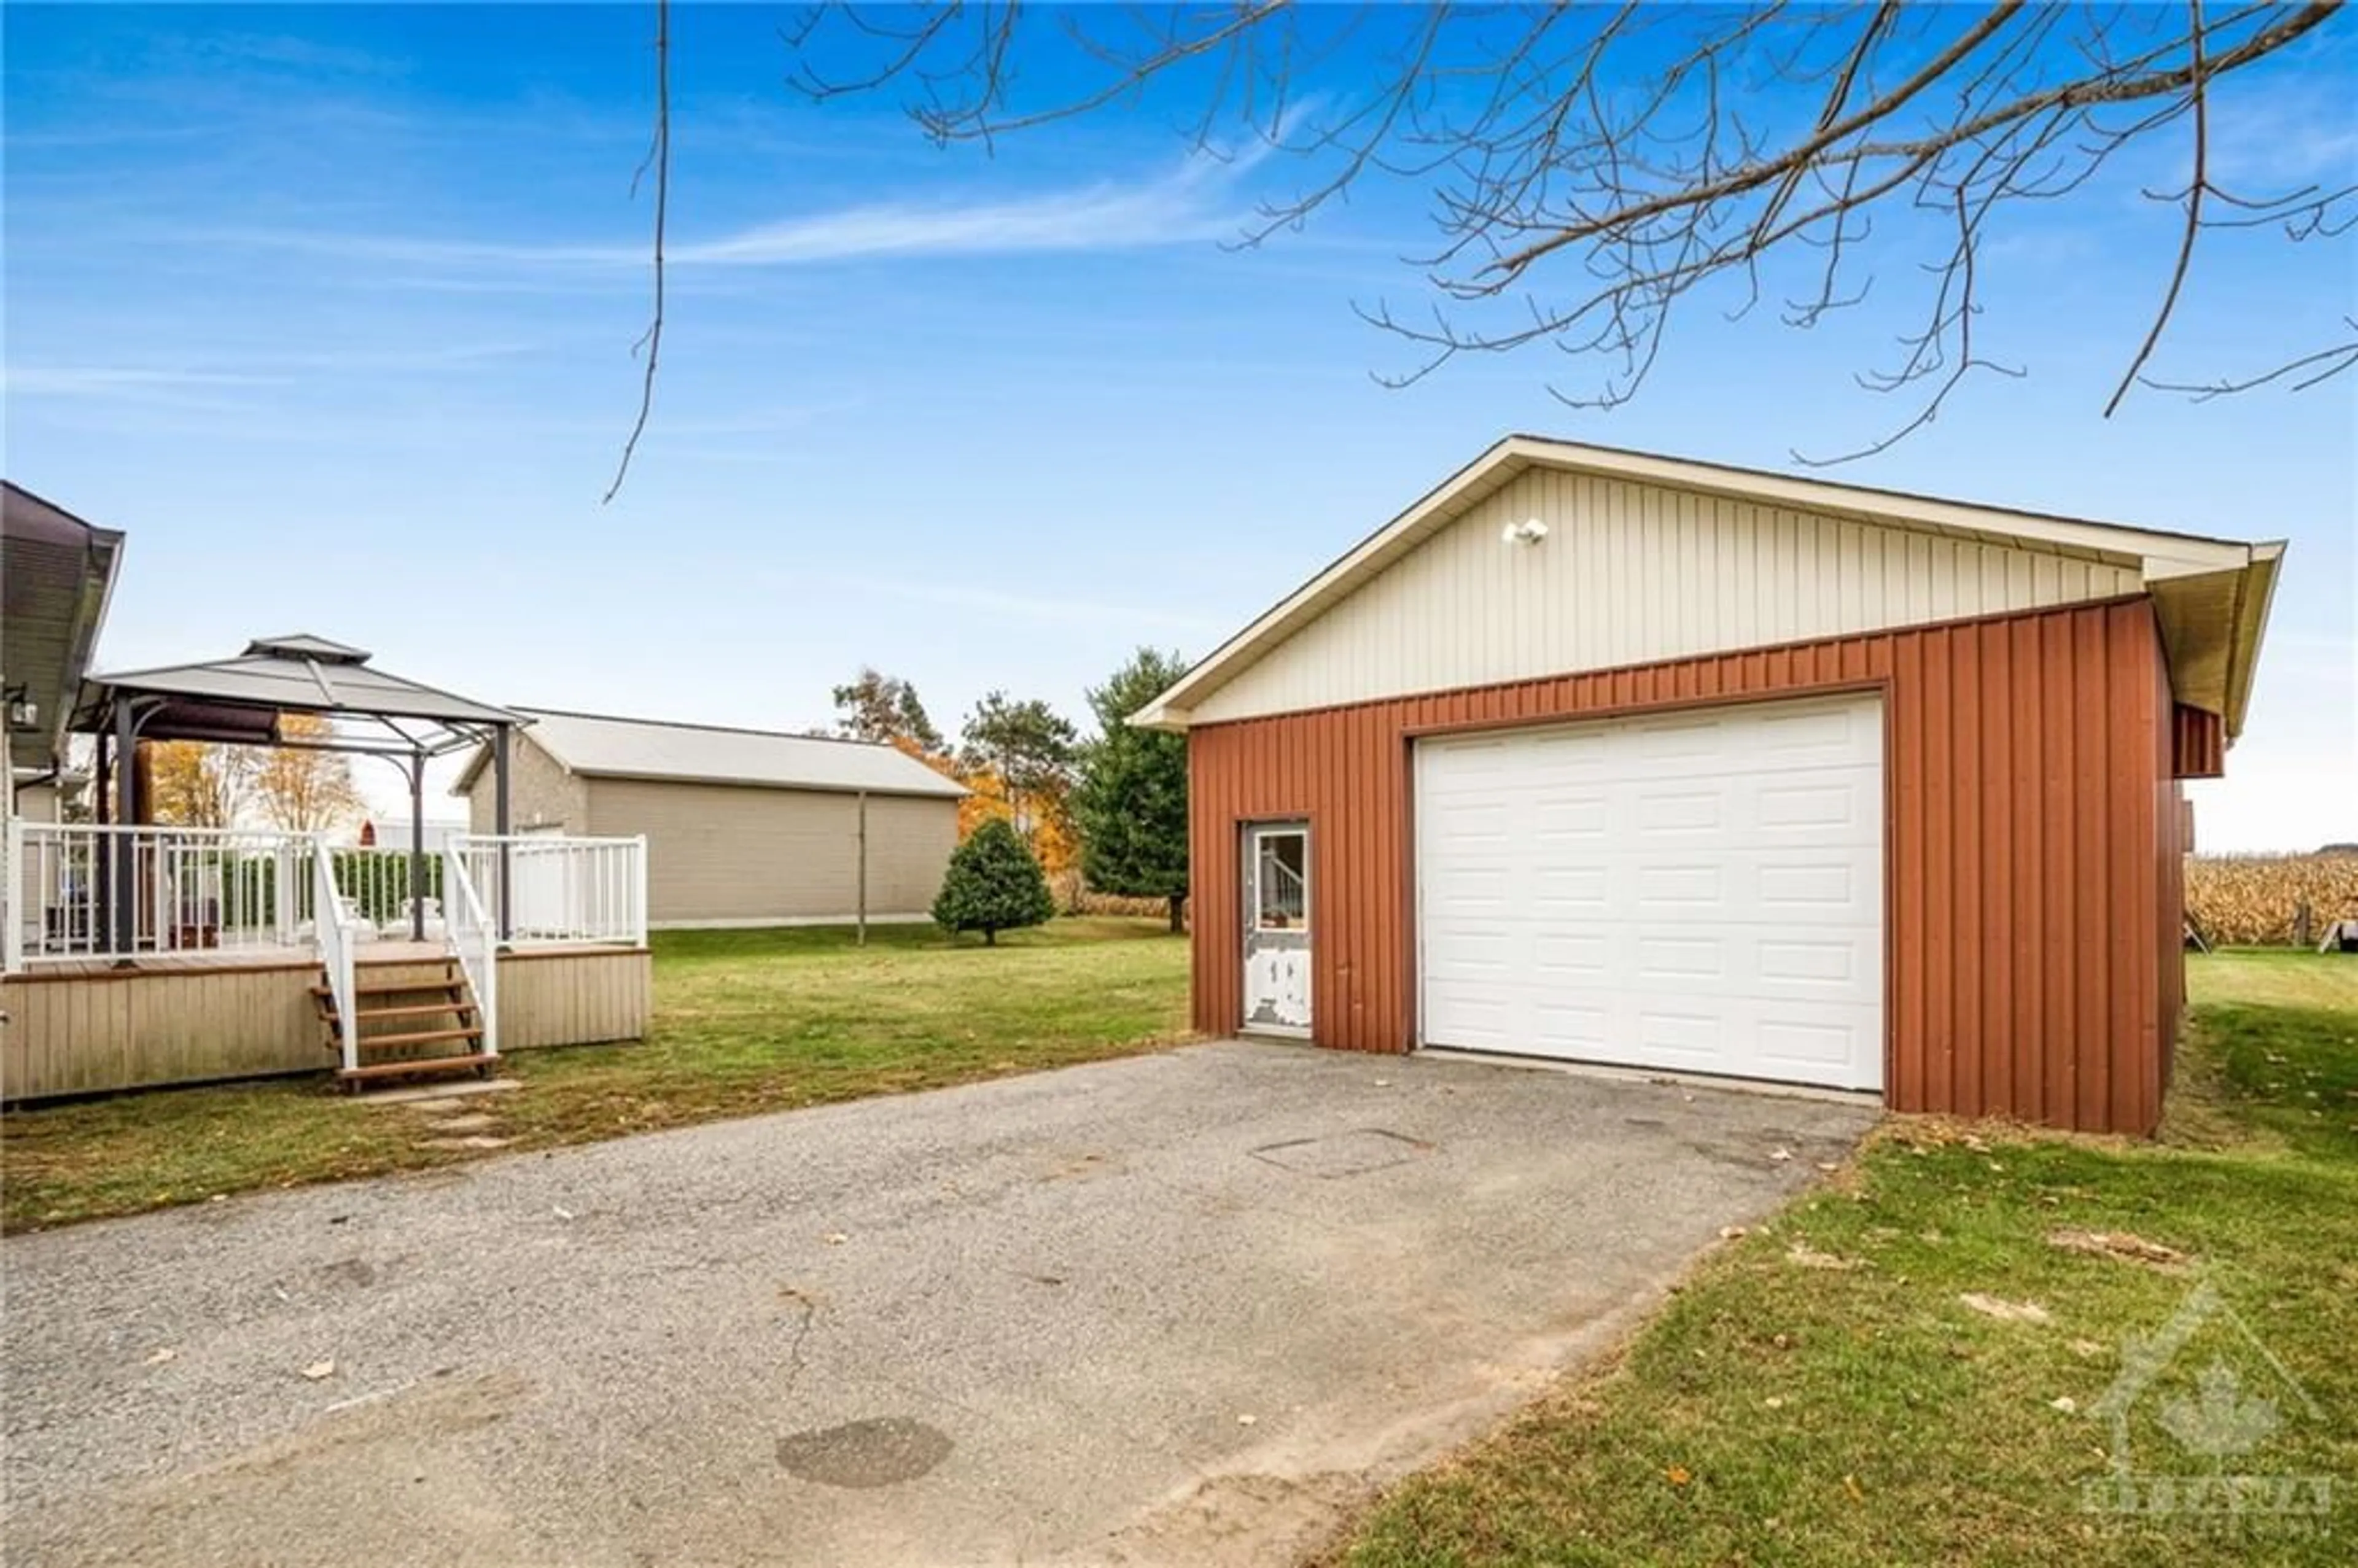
x=239 y=700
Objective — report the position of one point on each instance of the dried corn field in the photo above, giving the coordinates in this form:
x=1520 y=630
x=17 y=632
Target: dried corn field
x=2255 y=899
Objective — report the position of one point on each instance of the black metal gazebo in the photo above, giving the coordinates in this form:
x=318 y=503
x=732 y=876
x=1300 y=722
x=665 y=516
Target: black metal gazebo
x=243 y=702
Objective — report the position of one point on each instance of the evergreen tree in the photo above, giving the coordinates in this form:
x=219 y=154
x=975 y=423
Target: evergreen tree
x=1131 y=801
x=992 y=885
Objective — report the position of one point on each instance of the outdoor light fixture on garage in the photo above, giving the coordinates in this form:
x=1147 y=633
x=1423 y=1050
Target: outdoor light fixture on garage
x=1529 y=531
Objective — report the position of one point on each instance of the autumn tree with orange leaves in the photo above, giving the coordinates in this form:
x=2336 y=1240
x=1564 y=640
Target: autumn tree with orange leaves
x=305 y=791
x=193 y=784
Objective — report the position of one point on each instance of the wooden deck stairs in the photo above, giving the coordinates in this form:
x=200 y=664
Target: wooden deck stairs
x=417 y=1017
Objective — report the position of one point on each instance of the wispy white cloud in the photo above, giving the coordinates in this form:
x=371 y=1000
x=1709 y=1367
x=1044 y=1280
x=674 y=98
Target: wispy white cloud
x=307 y=57
x=197 y=374
x=109 y=381
x=1194 y=201
x=2285 y=130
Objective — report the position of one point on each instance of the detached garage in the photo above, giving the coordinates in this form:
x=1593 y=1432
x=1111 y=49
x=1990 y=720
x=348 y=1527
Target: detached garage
x=1607 y=757
x=744 y=828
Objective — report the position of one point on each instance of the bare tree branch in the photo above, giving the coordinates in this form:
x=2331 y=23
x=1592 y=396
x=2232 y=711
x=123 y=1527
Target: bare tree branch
x=658 y=158
x=2308 y=371
x=1587 y=167
x=2199 y=89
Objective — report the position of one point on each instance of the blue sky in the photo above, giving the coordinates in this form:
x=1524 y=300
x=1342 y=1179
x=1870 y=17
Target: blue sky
x=332 y=309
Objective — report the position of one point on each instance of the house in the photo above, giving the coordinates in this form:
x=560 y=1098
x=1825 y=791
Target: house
x=1624 y=758
x=743 y=827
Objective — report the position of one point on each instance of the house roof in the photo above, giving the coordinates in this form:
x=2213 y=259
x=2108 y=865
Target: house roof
x=601 y=746
x=2210 y=594
x=57 y=573
x=239 y=699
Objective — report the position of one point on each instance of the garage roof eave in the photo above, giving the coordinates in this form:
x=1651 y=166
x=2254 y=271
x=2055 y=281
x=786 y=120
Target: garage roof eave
x=2250 y=628
x=2212 y=625
x=1161 y=715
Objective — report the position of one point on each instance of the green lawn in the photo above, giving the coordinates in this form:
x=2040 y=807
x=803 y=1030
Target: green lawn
x=1819 y=1394
x=745 y=1021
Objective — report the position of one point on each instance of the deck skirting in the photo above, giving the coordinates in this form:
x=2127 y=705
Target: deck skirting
x=86 y=1033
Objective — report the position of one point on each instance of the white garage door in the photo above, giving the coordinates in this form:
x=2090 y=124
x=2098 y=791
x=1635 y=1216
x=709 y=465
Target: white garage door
x=1700 y=891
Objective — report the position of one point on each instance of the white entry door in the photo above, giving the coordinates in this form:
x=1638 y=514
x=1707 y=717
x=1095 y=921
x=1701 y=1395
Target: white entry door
x=1699 y=891
x=1277 y=928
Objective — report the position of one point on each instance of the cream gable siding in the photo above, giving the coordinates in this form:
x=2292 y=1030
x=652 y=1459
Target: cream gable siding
x=1629 y=574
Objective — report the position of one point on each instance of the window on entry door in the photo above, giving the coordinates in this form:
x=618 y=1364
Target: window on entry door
x=1281 y=873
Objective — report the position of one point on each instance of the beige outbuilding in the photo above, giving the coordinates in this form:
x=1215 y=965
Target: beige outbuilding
x=744 y=828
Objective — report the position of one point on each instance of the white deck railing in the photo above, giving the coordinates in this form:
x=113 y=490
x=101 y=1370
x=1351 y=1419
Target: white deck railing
x=86 y=891
x=474 y=936
x=373 y=883
x=544 y=889
x=335 y=933
x=83 y=891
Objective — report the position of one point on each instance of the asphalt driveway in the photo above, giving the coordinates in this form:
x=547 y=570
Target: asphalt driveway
x=1180 y=1308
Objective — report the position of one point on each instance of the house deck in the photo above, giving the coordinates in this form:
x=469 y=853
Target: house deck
x=91 y=1025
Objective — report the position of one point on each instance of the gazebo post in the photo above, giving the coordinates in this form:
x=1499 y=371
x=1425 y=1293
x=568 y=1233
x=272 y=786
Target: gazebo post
x=500 y=736
x=417 y=846
x=102 y=811
x=122 y=854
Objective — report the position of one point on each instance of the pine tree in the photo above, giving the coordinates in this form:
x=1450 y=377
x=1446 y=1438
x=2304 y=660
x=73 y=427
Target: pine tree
x=992 y=885
x=1131 y=801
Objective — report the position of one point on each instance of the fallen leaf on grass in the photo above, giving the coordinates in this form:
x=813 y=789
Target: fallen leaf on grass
x=1679 y=1475
x=2005 y=1311
x=318 y=1369
x=2118 y=1244
x=1857 y=1493
x=1802 y=1255
x=2065 y=1404
x=2086 y=1347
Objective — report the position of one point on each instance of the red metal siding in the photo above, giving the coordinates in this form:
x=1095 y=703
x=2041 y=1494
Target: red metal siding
x=2030 y=849
x=2199 y=749
x=2173 y=841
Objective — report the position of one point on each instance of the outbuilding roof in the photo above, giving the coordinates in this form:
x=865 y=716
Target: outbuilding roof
x=603 y=746
x=2210 y=595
